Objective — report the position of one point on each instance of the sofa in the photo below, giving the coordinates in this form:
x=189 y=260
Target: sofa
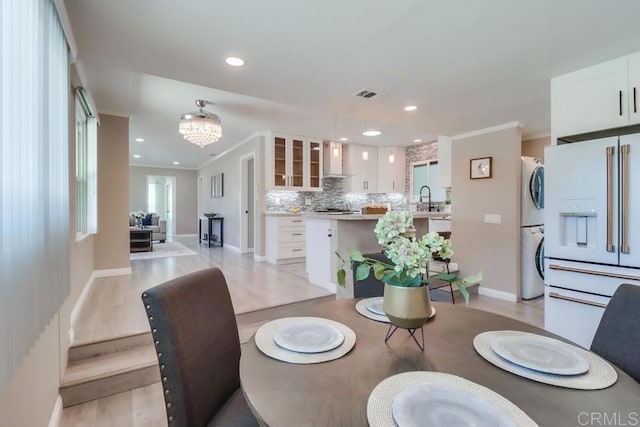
x=158 y=226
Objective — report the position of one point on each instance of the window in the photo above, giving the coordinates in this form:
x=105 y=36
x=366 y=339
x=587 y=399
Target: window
x=426 y=173
x=86 y=167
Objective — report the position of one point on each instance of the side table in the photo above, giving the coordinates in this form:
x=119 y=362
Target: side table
x=140 y=240
x=210 y=229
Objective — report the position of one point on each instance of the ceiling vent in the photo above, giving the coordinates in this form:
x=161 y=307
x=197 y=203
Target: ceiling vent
x=365 y=94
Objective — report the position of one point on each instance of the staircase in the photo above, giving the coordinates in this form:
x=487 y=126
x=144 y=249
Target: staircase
x=103 y=368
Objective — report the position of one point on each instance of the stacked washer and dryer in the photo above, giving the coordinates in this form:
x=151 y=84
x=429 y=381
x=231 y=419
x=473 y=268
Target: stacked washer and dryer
x=532 y=228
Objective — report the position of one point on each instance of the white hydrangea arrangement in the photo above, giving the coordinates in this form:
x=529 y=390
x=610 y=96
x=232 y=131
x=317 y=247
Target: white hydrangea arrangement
x=409 y=255
x=397 y=235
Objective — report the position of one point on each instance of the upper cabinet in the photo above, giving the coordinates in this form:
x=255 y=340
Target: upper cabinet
x=294 y=163
x=391 y=169
x=600 y=97
x=314 y=166
x=361 y=167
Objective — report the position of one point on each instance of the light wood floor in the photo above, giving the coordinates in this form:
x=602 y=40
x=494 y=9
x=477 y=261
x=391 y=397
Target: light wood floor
x=115 y=310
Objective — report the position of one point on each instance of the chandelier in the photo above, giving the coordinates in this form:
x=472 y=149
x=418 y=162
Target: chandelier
x=201 y=127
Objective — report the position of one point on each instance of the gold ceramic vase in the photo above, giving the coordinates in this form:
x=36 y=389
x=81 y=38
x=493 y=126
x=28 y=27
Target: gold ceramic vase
x=407 y=307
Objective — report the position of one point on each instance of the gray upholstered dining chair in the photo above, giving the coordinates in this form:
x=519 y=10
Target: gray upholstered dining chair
x=196 y=338
x=617 y=338
x=369 y=287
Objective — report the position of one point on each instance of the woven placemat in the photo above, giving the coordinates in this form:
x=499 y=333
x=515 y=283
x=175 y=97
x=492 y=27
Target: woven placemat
x=266 y=344
x=361 y=307
x=381 y=398
x=600 y=375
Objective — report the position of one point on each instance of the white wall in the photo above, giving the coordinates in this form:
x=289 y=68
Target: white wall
x=229 y=205
x=535 y=147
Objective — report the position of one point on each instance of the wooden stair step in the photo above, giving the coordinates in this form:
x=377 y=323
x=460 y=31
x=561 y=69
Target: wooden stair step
x=79 y=351
x=95 y=377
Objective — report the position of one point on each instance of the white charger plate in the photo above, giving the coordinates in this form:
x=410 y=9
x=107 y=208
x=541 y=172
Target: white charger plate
x=375 y=306
x=541 y=354
x=314 y=336
x=443 y=405
x=382 y=398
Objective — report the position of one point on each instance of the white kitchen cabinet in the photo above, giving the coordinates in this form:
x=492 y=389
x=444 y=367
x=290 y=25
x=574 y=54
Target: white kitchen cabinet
x=444 y=161
x=294 y=163
x=634 y=88
x=285 y=238
x=600 y=97
x=313 y=167
x=361 y=167
x=391 y=170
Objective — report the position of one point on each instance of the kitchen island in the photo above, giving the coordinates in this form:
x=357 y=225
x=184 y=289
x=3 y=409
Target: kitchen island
x=327 y=233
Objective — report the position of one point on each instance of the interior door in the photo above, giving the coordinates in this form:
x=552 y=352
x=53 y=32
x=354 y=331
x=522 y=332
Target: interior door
x=579 y=190
x=169 y=204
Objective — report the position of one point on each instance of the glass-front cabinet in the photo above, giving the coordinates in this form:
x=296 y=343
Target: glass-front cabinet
x=294 y=163
x=315 y=164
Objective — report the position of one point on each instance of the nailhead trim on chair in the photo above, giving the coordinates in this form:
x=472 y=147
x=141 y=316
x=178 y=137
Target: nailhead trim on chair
x=164 y=378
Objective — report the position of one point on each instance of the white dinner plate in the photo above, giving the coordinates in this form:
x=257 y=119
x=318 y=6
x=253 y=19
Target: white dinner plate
x=375 y=306
x=540 y=354
x=442 y=405
x=309 y=337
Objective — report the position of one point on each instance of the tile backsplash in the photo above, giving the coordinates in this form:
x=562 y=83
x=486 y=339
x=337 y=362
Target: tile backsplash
x=332 y=196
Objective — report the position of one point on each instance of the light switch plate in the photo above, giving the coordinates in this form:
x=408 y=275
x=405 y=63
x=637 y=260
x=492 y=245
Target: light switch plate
x=492 y=218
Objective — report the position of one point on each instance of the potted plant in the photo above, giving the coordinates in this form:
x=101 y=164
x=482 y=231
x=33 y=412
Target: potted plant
x=406 y=296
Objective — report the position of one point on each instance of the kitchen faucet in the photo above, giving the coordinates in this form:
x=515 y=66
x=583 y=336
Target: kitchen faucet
x=429 y=195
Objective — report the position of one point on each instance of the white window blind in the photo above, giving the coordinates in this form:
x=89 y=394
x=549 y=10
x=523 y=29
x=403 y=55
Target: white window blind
x=34 y=190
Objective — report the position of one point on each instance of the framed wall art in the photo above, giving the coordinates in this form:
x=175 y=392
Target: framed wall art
x=217 y=185
x=480 y=168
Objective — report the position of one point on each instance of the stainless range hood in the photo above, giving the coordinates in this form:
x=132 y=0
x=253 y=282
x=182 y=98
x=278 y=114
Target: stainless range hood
x=332 y=161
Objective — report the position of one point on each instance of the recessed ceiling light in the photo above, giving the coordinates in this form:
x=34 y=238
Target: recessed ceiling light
x=176 y=163
x=417 y=140
x=234 y=61
x=139 y=139
x=137 y=156
x=344 y=138
x=371 y=133
x=410 y=108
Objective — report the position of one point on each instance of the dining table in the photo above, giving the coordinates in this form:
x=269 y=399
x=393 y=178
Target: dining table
x=335 y=393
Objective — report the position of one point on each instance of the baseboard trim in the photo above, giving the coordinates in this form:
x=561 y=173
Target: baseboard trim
x=56 y=415
x=79 y=303
x=493 y=293
x=112 y=272
x=233 y=248
x=259 y=258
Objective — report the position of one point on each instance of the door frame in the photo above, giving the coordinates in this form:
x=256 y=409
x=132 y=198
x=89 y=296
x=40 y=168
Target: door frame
x=174 y=180
x=244 y=203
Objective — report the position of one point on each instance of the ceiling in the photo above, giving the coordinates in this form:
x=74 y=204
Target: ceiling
x=466 y=64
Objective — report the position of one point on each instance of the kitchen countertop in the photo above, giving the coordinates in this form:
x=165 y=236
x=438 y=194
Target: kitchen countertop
x=282 y=214
x=359 y=217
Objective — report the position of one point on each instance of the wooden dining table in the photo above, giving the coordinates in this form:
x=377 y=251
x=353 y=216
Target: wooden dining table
x=335 y=393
